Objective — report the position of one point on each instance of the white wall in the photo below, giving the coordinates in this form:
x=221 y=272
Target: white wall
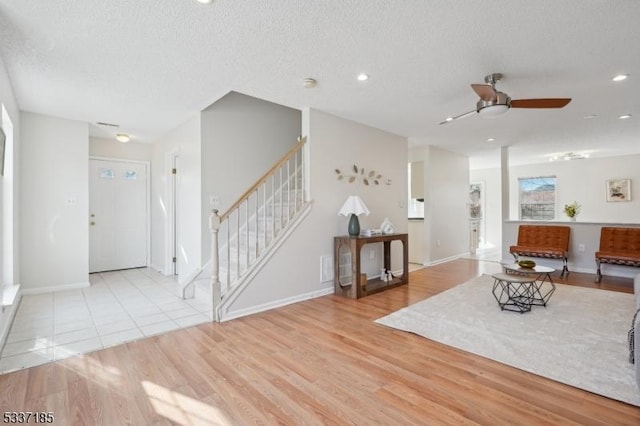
x=584 y=181
x=7 y=99
x=446 y=219
x=54 y=203
x=294 y=272
x=492 y=214
x=111 y=148
x=242 y=137
x=185 y=140
x=586 y=234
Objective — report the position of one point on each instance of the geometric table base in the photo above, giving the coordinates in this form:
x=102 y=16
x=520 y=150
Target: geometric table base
x=516 y=293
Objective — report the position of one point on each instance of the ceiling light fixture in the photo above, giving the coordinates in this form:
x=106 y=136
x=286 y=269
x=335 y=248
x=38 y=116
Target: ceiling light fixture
x=625 y=116
x=309 y=83
x=493 y=111
x=589 y=117
x=123 y=137
x=620 y=77
x=363 y=77
x=205 y=1
x=491 y=139
x=569 y=156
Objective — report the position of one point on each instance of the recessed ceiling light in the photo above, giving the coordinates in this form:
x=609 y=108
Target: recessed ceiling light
x=309 y=83
x=363 y=77
x=205 y=1
x=625 y=116
x=620 y=77
x=491 y=139
x=589 y=117
x=123 y=137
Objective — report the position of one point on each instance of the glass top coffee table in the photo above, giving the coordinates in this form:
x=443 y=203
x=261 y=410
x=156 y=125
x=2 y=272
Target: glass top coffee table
x=542 y=282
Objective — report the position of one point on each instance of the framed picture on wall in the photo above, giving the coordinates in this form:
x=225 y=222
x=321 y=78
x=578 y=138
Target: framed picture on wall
x=2 y=142
x=619 y=190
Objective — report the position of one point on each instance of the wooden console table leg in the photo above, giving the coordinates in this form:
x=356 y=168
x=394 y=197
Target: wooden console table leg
x=387 y=255
x=405 y=259
x=356 y=288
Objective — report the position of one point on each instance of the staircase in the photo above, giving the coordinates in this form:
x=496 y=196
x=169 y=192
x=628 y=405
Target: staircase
x=250 y=231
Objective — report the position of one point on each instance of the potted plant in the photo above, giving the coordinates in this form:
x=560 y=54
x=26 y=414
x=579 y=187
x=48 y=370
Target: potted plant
x=572 y=210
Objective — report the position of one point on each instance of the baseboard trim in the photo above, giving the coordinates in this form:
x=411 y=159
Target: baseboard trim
x=157 y=269
x=276 y=304
x=445 y=260
x=49 y=289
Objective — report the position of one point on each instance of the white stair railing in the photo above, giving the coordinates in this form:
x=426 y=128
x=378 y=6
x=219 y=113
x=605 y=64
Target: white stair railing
x=252 y=225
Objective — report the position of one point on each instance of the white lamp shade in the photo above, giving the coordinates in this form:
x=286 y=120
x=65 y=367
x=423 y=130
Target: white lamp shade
x=353 y=205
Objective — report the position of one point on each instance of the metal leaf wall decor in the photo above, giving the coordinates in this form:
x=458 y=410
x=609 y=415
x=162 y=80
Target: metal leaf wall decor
x=370 y=178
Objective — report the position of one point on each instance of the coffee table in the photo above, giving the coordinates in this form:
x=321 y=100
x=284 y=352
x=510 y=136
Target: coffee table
x=544 y=286
x=515 y=293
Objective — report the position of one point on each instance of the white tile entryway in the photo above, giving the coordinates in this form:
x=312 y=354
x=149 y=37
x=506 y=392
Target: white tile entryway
x=118 y=307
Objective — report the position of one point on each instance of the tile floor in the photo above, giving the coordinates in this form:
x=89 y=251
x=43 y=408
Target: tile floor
x=118 y=307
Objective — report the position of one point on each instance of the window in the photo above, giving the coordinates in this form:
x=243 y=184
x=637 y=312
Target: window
x=537 y=198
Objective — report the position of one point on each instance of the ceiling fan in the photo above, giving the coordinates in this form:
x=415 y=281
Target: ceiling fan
x=493 y=103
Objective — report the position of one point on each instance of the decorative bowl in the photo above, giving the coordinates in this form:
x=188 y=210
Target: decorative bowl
x=527 y=264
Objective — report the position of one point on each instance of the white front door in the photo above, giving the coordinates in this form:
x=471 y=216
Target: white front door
x=117 y=215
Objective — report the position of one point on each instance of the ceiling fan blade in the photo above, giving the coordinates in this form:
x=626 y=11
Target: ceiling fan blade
x=540 y=103
x=485 y=91
x=450 y=119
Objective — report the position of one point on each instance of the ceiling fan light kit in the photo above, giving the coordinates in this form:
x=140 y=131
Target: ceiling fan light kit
x=494 y=103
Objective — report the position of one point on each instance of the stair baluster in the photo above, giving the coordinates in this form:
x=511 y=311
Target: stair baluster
x=227 y=277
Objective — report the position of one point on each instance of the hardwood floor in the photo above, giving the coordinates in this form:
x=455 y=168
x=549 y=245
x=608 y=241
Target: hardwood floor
x=322 y=361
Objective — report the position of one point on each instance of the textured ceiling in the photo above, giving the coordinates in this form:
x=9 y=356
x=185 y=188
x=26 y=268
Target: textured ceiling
x=150 y=65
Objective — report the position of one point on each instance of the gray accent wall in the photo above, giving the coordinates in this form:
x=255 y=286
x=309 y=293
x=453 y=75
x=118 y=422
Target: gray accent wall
x=293 y=273
x=242 y=137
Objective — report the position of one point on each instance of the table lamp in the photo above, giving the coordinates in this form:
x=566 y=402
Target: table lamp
x=354 y=207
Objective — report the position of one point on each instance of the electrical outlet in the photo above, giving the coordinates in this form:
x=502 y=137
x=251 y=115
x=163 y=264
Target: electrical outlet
x=581 y=247
x=214 y=201
x=372 y=254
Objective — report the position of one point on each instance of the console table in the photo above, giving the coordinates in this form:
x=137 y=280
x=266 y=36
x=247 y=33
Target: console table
x=351 y=284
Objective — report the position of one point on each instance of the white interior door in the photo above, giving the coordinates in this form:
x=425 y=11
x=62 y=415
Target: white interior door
x=117 y=215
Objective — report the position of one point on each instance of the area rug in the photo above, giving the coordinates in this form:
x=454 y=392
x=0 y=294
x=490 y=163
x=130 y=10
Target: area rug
x=579 y=338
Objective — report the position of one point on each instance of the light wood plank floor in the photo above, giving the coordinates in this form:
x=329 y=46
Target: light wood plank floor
x=322 y=361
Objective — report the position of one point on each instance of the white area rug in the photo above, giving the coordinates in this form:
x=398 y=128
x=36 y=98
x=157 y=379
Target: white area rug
x=580 y=338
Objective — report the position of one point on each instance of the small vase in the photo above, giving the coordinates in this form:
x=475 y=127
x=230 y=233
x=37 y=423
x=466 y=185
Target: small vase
x=572 y=218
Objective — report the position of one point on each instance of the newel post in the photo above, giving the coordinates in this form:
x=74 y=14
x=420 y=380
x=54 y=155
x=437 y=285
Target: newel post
x=216 y=293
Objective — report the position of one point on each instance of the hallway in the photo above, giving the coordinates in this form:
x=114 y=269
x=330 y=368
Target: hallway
x=118 y=307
